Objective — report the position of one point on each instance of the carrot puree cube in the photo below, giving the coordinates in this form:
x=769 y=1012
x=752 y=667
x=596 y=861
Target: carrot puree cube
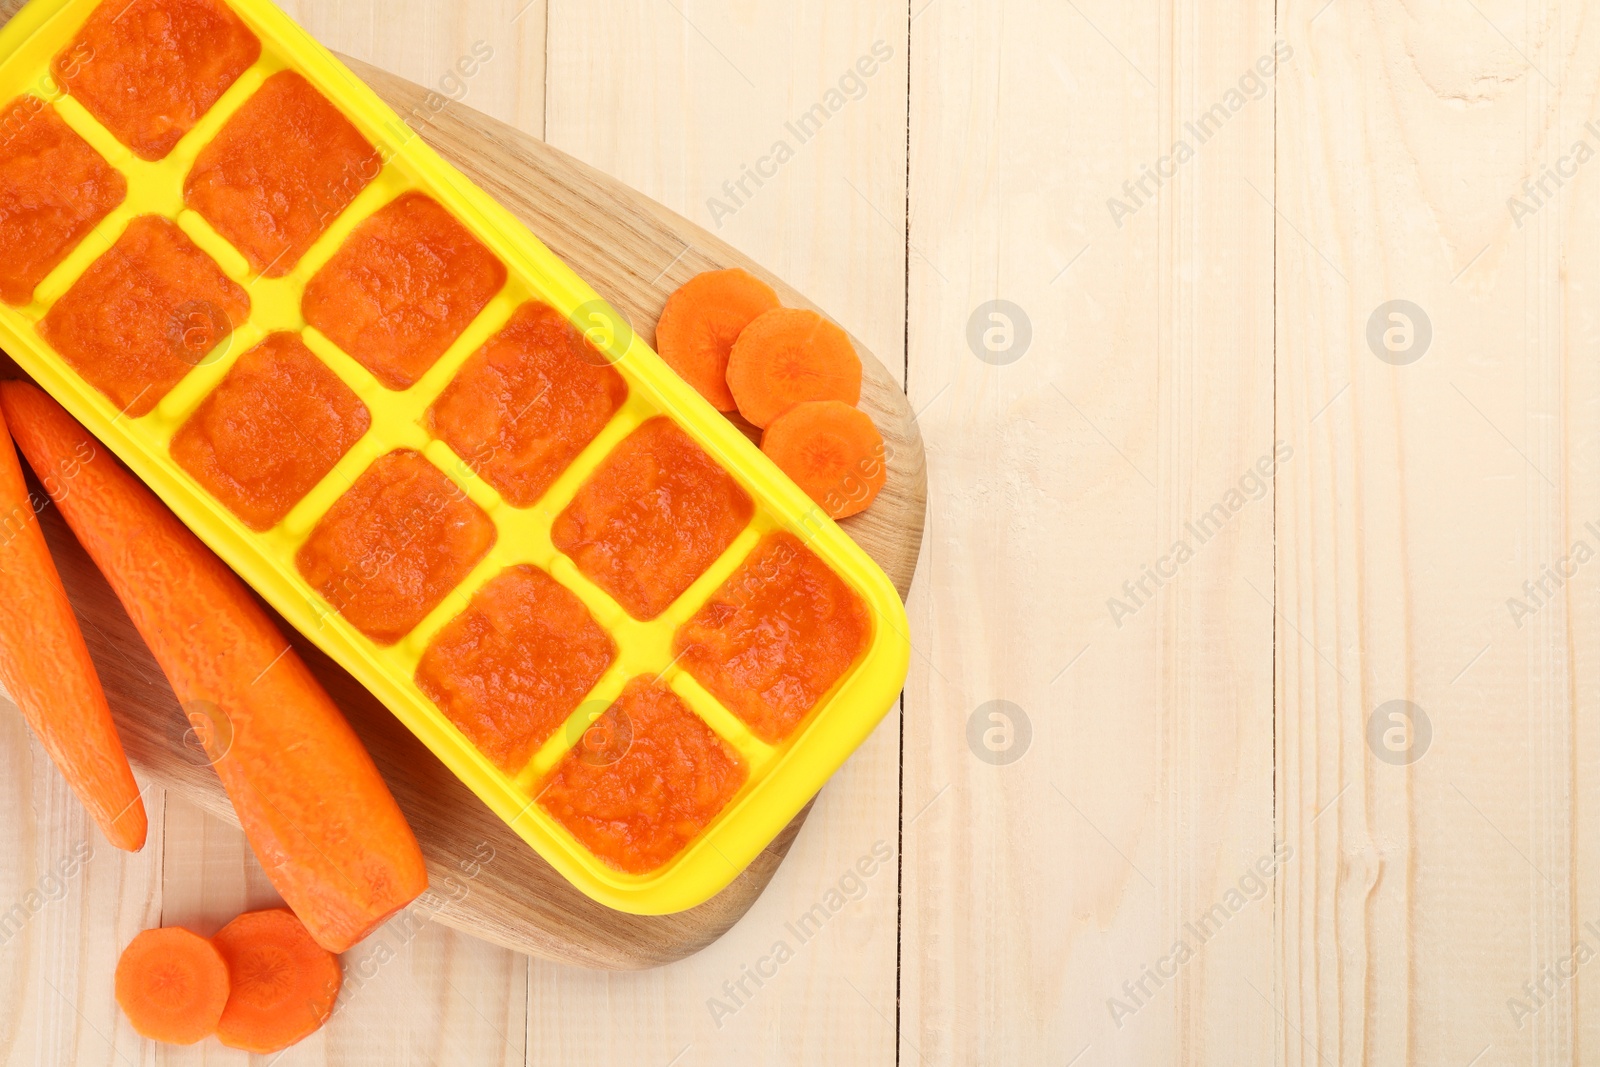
x=271 y=431
x=150 y=69
x=527 y=402
x=511 y=668
x=54 y=189
x=775 y=638
x=394 y=545
x=280 y=171
x=401 y=289
x=650 y=520
x=645 y=780
x=144 y=314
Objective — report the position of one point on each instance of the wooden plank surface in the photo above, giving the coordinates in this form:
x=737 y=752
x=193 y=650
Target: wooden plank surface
x=1224 y=769
x=1094 y=758
x=1437 y=666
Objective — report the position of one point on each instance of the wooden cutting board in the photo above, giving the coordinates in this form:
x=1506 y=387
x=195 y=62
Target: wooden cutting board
x=634 y=252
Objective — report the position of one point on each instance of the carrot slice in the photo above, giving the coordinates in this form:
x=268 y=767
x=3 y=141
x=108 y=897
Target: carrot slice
x=832 y=451
x=317 y=813
x=45 y=665
x=702 y=320
x=787 y=356
x=171 y=984
x=284 y=983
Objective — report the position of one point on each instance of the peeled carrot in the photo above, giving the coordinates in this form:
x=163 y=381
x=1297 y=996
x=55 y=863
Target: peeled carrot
x=318 y=814
x=787 y=356
x=702 y=320
x=172 y=985
x=45 y=665
x=832 y=451
x=283 y=983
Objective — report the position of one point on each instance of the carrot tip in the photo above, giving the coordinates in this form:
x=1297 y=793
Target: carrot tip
x=44 y=662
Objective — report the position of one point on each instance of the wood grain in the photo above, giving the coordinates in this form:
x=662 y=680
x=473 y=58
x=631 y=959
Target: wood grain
x=1073 y=835
x=1435 y=544
x=634 y=253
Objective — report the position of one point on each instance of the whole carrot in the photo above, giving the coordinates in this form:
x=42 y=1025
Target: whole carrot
x=317 y=813
x=45 y=665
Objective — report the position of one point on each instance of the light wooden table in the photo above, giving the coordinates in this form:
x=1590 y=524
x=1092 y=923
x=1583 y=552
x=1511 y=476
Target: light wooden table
x=1201 y=511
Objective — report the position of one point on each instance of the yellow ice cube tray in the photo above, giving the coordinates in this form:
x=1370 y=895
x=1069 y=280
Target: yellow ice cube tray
x=781 y=777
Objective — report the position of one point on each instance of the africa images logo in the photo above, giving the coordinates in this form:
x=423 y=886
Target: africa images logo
x=1253 y=485
x=1252 y=85
x=850 y=86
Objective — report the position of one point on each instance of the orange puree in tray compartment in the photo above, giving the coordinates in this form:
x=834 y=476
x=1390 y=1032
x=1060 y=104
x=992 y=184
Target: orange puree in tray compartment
x=775 y=638
x=511 y=668
x=271 y=431
x=527 y=402
x=279 y=172
x=394 y=545
x=646 y=778
x=401 y=288
x=54 y=189
x=149 y=69
x=144 y=314
x=656 y=513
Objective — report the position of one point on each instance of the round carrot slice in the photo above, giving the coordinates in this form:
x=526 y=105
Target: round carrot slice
x=701 y=322
x=284 y=983
x=172 y=984
x=832 y=451
x=789 y=355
